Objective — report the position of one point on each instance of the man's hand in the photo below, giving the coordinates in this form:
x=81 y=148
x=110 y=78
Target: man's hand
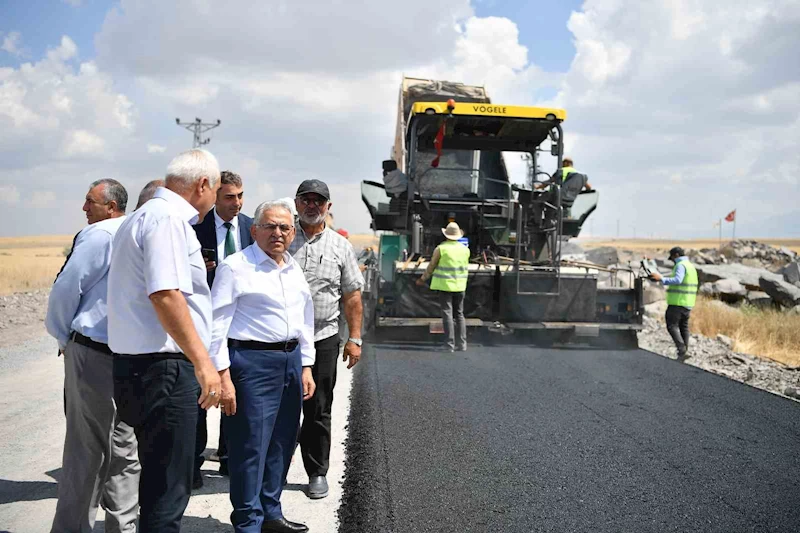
x=208 y=378
x=353 y=351
x=210 y=265
x=308 y=383
x=420 y=282
x=227 y=400
x=655 y=276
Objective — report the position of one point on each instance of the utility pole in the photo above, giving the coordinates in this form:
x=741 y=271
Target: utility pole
x=198 y=128
x=617 y=228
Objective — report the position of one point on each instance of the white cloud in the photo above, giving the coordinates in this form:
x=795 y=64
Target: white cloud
x=43 y=199
x=82 y=142
x=11 y=43
x=700 y=97
x=9 y=194
x=156 y=149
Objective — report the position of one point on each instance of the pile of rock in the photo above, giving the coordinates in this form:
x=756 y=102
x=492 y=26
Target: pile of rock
x=748 y=253
x=735 y=283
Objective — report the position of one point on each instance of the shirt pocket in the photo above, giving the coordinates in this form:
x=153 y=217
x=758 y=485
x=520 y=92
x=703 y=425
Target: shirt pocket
x=329 y=270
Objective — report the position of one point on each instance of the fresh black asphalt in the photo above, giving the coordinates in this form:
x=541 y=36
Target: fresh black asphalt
x=522 y=439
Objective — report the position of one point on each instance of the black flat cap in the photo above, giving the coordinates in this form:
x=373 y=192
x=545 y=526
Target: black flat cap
x=314 y=186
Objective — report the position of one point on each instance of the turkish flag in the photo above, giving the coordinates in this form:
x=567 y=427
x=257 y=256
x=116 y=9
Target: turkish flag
x=731 y=216
x=438 y=143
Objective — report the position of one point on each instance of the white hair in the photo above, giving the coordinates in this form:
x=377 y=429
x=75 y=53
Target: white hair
x=267 y=206
x=190 y=166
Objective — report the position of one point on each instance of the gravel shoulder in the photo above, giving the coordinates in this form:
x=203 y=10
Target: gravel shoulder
x=32 y=377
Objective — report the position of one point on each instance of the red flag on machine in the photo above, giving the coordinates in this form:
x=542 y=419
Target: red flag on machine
x=437 y=142
x=731 y=216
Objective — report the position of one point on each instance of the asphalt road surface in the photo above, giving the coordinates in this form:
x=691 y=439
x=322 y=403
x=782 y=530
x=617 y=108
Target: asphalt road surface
x=518 y=439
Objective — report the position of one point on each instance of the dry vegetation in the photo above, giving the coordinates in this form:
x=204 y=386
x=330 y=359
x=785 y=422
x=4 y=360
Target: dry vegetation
x=762 y=332
x=28 y=263
x=656 y=244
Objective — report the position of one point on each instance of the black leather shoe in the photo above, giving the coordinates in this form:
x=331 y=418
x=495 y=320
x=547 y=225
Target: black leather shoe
x=223 y=468
x=281 y=525
x=317 y=487
x=197 y=481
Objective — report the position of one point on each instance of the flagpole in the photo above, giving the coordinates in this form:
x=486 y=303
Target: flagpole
x=720 y=234
x=734 y=227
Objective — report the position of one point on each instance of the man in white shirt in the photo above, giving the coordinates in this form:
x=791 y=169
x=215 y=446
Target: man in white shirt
x=223 y=232
x=100 y=464
x=263 y=346
x=159 y=328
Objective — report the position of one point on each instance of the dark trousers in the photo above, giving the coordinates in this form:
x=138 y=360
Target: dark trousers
x=455 y=326
x=262 y=433
x=158 y=398
x=678 y=327
x=315 y=435
x=202 y=439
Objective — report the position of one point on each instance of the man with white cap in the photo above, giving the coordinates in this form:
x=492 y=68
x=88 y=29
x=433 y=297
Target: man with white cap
x=448 y=267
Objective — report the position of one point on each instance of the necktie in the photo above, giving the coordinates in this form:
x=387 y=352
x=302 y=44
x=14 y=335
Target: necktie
x=230 y=243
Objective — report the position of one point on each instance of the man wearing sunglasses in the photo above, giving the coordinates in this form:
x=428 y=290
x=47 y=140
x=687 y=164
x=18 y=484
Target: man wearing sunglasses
x=331 y=269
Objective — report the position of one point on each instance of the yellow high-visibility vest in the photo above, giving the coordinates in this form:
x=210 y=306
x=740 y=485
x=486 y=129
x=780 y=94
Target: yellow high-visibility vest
x=450 y=275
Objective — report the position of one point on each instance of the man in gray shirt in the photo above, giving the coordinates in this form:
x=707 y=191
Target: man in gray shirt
x=331 y=269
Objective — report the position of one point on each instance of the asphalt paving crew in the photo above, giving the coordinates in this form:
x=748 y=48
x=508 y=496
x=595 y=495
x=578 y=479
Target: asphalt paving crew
x=223 y=232
x=100 y=463
x=331 y=268
x=159 y=328
x=263 y=347
x=681 y=297
x=448 y=268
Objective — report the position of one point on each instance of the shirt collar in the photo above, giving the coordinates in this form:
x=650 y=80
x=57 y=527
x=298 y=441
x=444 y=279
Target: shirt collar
x=219 y=222
x=681 y=258
x=261 y=256
x=185 y=210
x=312 y=237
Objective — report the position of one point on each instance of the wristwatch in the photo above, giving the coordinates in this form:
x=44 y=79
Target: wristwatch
x=357 y=342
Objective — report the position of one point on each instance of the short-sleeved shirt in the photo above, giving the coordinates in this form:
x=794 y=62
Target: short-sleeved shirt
x=156 y=249
x=78 y=299
x=331 y=269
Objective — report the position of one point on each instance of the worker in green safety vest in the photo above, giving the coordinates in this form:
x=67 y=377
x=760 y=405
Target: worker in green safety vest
x=681 y=297
x=569 y=191
x=448 y=268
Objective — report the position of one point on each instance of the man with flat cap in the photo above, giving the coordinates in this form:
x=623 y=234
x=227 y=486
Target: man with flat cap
x=331 y=269
x=681 y=297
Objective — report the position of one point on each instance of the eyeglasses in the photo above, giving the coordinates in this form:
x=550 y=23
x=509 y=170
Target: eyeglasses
x=319 y=202
x=285 y=228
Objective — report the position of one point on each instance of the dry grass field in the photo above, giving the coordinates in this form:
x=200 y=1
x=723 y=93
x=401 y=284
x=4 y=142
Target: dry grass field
x=765 y=333
x=665 y=245
x=28 y=263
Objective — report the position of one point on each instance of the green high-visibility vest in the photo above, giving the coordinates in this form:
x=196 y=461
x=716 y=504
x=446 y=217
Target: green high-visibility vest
x=685 y=293
x=451 y=273
x=566 y=171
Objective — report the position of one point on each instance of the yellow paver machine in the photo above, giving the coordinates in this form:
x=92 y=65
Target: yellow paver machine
x=448 y=165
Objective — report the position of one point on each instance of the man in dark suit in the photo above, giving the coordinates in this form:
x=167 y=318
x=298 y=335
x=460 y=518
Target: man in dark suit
x=222 y=232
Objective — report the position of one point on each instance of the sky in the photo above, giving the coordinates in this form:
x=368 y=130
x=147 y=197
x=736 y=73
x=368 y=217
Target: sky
x=679 y=111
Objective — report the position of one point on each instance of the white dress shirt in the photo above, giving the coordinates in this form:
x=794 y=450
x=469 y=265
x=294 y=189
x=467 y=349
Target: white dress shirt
x=78 y=297
x=222 y=233
x=156 y=249
x=255 y=299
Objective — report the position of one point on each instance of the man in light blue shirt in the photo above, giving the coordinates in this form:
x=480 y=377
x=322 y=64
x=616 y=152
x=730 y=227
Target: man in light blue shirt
x=159 y=328
x=100 y=463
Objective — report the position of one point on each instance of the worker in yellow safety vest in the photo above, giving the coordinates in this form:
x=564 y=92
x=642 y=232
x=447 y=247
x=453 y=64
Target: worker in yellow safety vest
x=448 y=268
x=681 y=297
x=569 y=191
